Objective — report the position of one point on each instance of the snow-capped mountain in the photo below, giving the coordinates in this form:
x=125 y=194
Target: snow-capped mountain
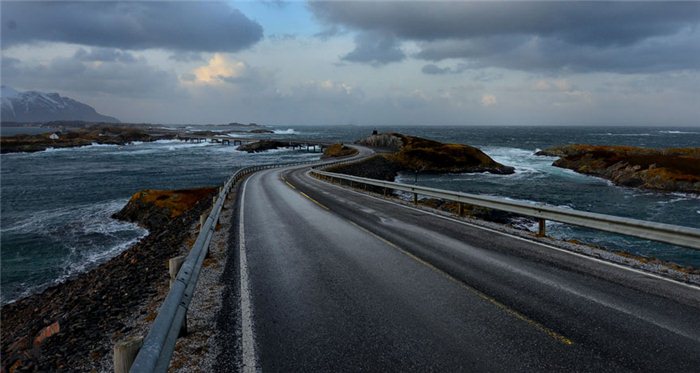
x=33 y=106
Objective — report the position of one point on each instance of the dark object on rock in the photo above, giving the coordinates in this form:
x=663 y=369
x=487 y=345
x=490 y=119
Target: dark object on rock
x=338 y=150
x=262 y=145
x=416 y=154
x=673 y=169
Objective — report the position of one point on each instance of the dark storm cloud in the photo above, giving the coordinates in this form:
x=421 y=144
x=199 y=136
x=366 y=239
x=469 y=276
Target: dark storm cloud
x=375 y=49
x=548 y=54
x=433 y=69
x=186 y=26
x=184 y=56
x=489 y=33
x=132 y=79
x=104 y=55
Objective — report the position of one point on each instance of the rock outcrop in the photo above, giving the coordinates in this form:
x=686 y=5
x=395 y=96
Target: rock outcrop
x=337 y=151
x=417 y=154
x=154 y=209
x=673 y=169
x=262 y=145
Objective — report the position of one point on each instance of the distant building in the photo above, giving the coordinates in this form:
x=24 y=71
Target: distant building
x=54 y=136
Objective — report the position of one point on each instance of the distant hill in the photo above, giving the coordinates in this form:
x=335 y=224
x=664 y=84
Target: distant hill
x=33 y=106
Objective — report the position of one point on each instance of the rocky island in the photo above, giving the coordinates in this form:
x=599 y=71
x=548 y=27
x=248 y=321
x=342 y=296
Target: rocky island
x=403 y=153
x=672 y=169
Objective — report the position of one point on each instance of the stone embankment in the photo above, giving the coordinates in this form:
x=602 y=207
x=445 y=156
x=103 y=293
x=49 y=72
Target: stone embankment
x=72 y=326
x=673 y=169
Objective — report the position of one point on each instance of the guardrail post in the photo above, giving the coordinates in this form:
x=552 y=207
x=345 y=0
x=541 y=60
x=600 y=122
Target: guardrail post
x=125 y=352
x=202 y=220
x=541 y=228
x=174 y=265
x=415 y=198
x=461 y=209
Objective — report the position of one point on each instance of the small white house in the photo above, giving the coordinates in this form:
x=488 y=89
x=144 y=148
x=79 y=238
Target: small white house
x=54 y=136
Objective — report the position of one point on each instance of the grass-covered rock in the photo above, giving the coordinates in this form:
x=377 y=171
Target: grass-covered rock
x=672 y=169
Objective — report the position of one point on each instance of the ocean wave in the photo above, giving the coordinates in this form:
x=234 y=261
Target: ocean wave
x=88 y=233
x=670 y=132
x=78 y=219
x=288 y=131
x=620 y=134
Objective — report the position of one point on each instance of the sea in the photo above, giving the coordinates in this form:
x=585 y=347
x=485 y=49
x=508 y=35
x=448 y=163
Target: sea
x=56 y=205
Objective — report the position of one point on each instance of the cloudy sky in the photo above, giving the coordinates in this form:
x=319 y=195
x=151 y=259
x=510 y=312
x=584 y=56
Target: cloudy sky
x=365 y=63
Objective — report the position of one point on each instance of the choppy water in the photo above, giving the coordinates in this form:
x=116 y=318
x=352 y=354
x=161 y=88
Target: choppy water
x=56 y=204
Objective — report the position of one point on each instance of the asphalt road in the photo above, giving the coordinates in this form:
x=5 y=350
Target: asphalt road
x=333 y=280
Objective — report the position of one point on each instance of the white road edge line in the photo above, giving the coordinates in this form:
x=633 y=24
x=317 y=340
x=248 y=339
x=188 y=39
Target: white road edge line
x=649 y=274
x=249 y=357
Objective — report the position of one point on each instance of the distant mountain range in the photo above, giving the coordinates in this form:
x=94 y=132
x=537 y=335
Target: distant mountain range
x=33 y=106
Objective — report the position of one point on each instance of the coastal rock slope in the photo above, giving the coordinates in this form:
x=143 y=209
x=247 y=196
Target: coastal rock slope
x=72 y=326
x=673 y=169
x=33 y=106
x=153 y=208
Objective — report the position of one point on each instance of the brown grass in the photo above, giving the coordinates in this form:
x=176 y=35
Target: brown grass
x=176 y=201
x=338 y=150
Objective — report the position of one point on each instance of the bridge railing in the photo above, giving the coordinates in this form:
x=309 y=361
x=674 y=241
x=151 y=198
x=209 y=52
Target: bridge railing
x=673 y=234
x=157 y=348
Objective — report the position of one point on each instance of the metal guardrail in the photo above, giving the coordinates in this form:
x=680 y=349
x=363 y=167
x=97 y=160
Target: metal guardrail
x=673 y=234
x=158 y=346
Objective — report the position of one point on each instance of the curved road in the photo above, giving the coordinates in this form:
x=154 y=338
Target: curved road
x=334 y=280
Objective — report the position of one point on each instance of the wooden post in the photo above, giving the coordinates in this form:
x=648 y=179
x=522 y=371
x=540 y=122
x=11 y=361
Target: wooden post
x=384 y=191
x=174 y=265
x=125 y=352
x=202 y=220
x=461 y=209
x=415 y=198
x=541 y=228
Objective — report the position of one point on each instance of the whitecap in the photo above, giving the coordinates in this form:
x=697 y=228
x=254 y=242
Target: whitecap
x=678 y=132
x=288 y=131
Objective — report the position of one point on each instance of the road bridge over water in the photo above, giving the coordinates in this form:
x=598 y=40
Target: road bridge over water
x=325 y=278
x=294 y=143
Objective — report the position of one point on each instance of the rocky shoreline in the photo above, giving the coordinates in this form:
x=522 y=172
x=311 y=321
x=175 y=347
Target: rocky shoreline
x=72 y=325
x=671 y=170
x=83 y=136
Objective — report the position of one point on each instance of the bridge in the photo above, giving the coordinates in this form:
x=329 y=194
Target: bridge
x=304 y=144
x=331 y=277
